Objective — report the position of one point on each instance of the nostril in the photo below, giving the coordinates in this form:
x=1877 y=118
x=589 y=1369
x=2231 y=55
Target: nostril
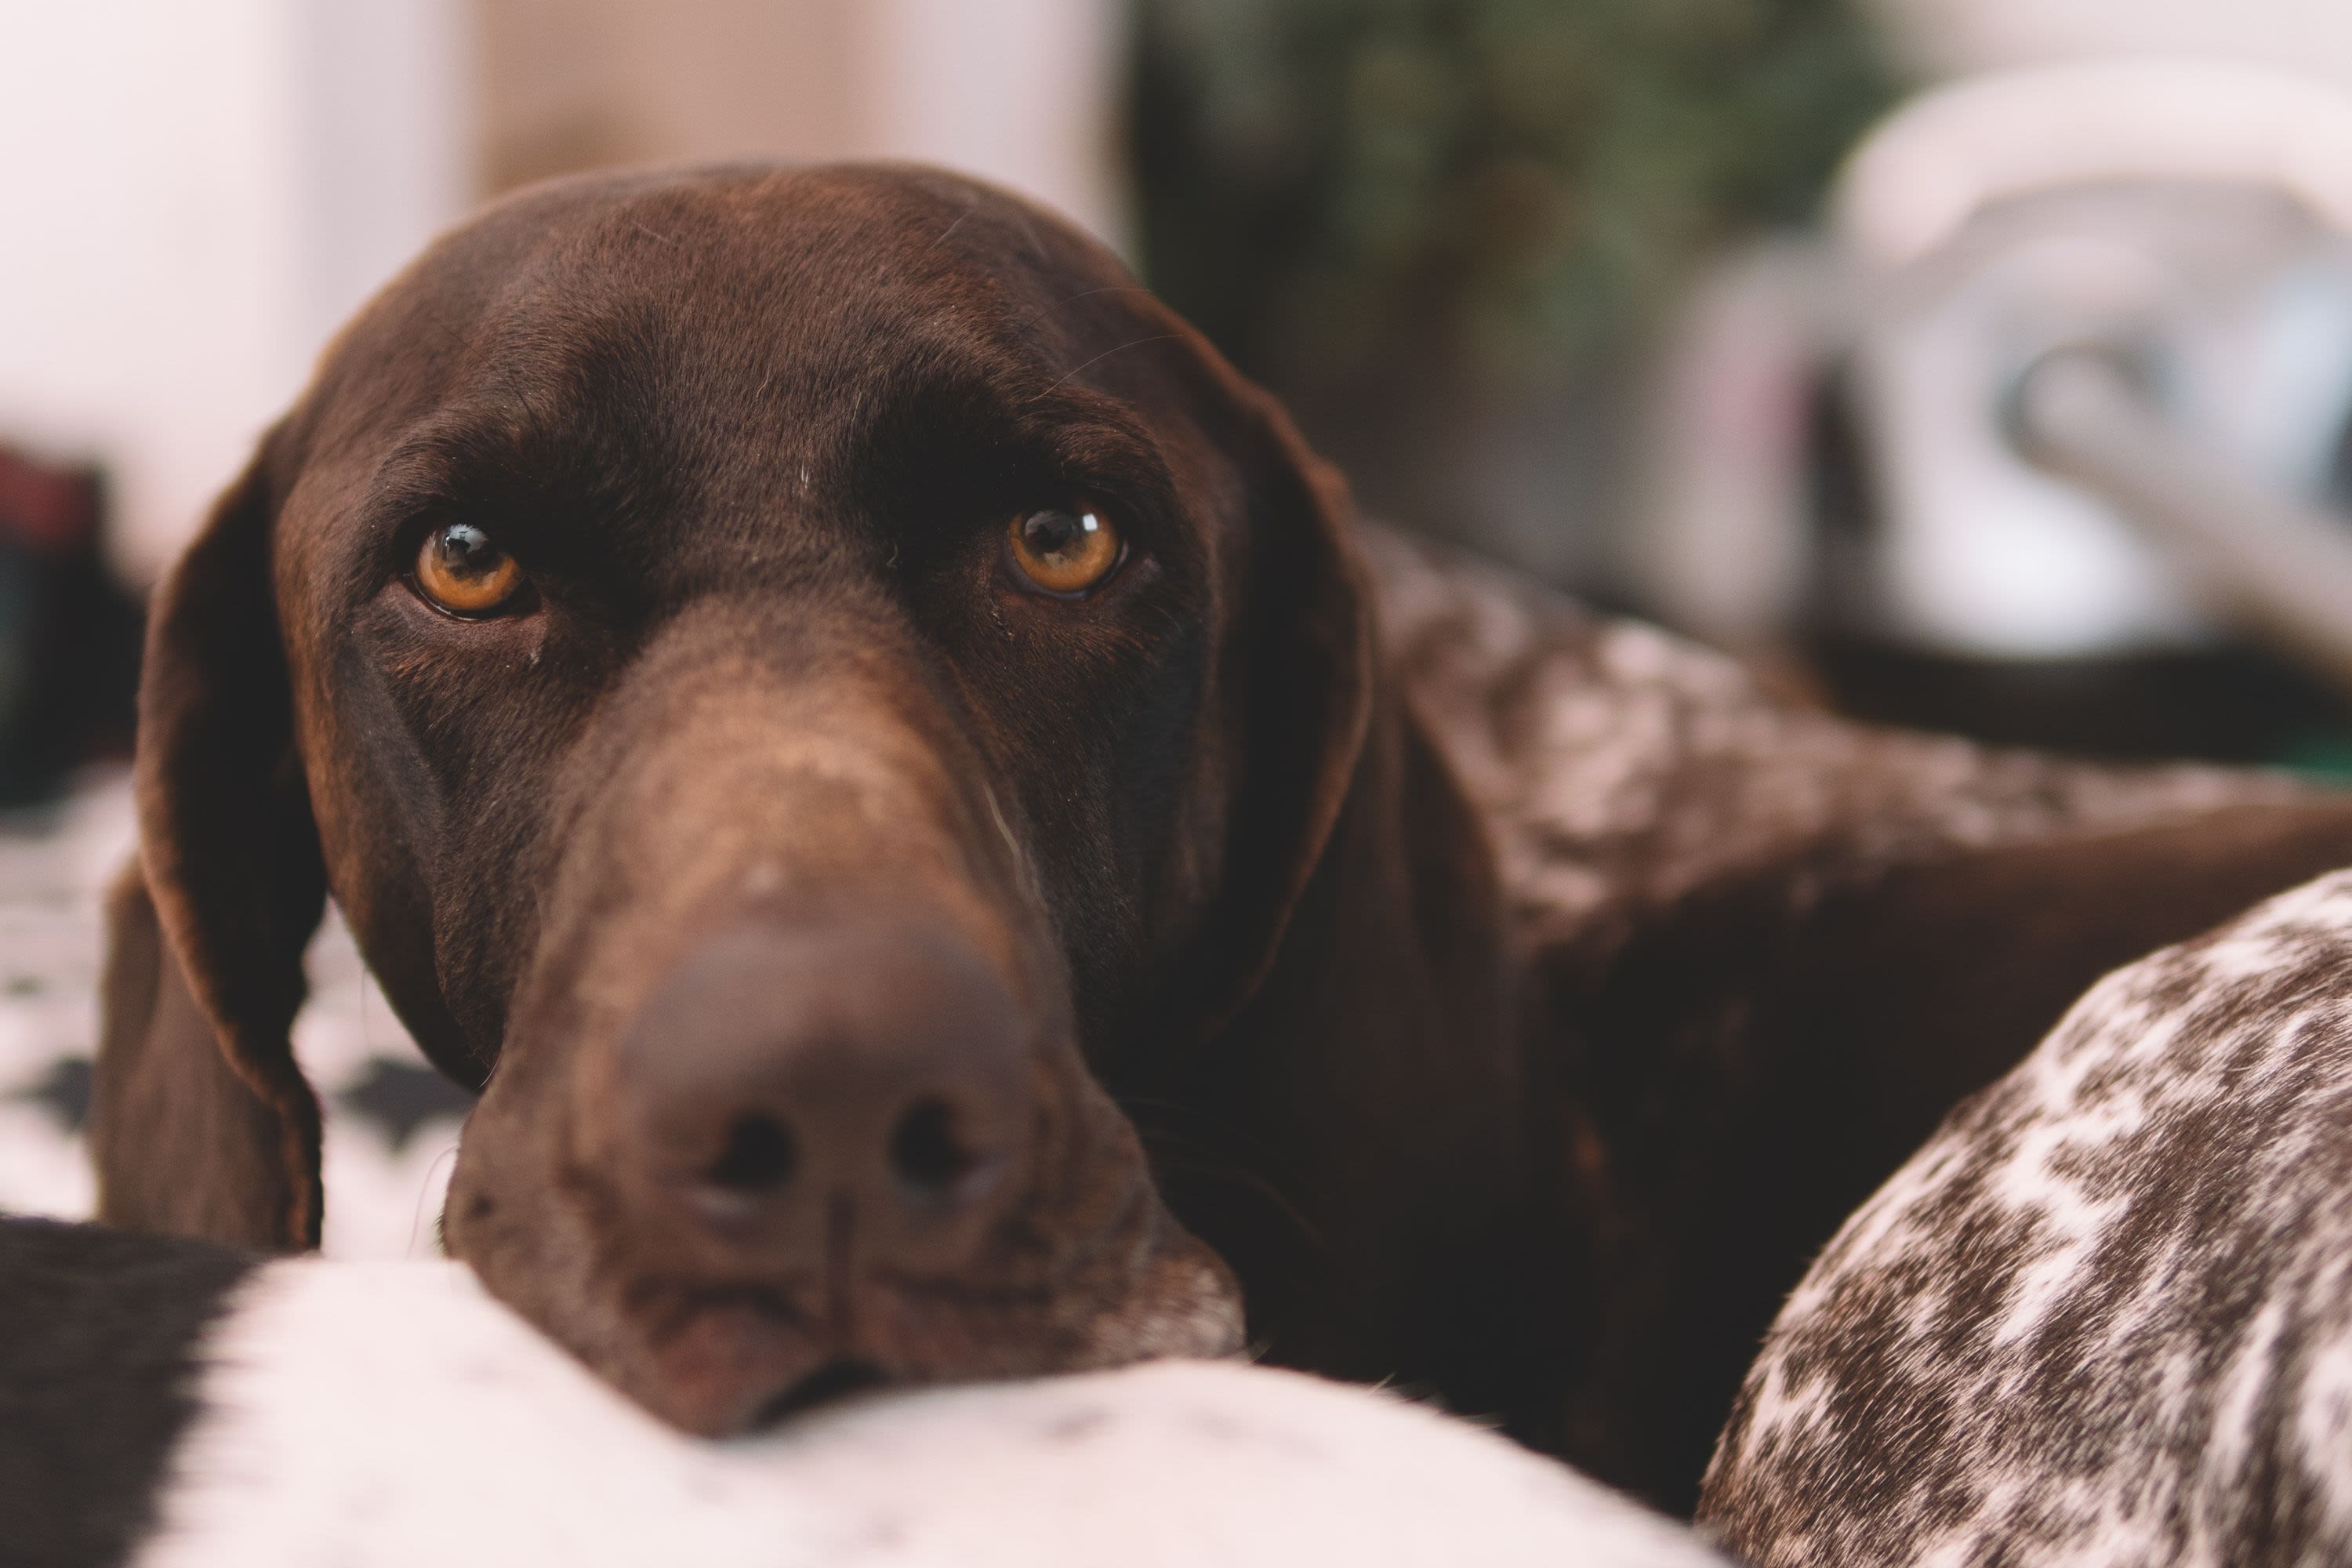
x=925 y=1151
x=760 y=1156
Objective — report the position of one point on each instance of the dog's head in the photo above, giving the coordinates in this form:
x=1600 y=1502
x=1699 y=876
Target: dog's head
x=788 y=674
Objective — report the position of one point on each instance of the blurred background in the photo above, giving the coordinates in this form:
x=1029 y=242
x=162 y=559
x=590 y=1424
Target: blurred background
x=1718 y=311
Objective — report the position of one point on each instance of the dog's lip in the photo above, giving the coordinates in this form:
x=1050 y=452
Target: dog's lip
x=711 y=1360
x=725 y=1358
x=731 y=1360
x=837 y=1379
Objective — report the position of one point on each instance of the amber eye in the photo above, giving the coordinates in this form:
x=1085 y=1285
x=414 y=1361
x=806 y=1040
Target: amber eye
x=1064 y=550
x=460 y=569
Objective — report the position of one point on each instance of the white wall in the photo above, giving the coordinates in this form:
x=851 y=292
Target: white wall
x=1024 y=92
x=191 y=194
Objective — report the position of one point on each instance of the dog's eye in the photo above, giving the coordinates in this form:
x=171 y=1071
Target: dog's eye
x=1064 y=550
x=461 y=568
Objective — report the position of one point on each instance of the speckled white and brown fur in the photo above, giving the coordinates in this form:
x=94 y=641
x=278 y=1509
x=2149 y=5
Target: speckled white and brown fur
x=2105 y=1315
x=1619 y=768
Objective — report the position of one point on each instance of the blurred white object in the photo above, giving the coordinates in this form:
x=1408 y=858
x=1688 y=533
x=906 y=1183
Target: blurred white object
x=1722 y=543
x=2284 y=570
x=2193 y=217
x=1964 y=38
x=392 y=1414
x=1944 y=157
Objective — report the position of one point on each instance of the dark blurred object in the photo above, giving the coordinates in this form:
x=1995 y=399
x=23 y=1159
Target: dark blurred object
x=70 y=635
x=2146 y=555
x=1441 y=227
x=1510 y=184
x=2233 y=705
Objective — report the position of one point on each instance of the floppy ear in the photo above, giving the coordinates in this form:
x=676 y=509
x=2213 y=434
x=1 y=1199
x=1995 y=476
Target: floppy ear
x=203 y=1124
x=1305 y=649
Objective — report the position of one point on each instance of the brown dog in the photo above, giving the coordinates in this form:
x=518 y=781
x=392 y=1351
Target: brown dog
x=836 y=709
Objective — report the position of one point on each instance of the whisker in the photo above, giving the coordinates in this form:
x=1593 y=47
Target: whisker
x=1136 y=343
x=1174 y=1154
x=416 y=1219
x=944 y=234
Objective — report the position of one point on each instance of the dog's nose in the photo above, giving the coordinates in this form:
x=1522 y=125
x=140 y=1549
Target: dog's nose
x=849 y=1096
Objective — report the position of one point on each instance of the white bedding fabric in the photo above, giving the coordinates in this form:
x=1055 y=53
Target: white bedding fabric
x=384 y=1188
x=484 y=1445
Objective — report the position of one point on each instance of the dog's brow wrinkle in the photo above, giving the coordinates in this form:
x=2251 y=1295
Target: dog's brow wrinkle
x=1136 y=343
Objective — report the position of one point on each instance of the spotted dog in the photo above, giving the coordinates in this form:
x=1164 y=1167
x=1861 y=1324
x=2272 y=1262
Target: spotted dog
x=2105 y=1316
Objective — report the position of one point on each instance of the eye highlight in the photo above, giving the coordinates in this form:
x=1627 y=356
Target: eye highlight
x=1064 y=551
x=460 y=569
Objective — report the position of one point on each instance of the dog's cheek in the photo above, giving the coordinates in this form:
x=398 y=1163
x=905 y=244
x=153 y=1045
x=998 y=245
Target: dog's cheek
x=1090 y=719
x=435 y=788
x=1186 y=1304
x=508 y=1217
x=1179 y=1299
